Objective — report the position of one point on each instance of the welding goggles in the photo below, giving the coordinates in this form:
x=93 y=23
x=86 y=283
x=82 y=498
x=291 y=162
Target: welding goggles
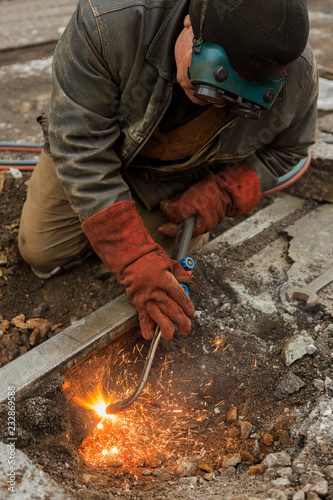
x=216 y=82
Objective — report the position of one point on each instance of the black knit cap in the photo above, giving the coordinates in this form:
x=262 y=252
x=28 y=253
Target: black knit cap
x=261 y=37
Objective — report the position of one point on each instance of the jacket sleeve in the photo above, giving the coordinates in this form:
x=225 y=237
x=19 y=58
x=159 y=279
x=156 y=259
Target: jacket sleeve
x=83 y=126
x=293 y=142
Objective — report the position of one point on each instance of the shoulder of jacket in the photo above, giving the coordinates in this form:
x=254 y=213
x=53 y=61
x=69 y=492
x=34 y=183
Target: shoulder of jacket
x=305 y=63
x=304 y=68
x=101 y=7
x=308 y=57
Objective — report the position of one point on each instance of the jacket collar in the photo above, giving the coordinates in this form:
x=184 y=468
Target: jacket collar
x=161 y=51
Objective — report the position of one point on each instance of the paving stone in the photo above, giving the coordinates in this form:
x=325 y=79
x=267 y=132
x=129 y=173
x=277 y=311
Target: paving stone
x=29 y=481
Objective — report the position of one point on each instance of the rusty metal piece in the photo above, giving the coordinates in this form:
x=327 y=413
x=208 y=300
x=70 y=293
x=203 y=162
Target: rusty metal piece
x=309 y=292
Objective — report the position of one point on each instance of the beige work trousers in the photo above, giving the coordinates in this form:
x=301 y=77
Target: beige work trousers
x=50 y=234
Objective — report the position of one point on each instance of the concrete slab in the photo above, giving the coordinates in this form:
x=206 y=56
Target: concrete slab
x=20 y=479
x=311 y=249
x=32 y=22
x=72 y=344
x=254 y=225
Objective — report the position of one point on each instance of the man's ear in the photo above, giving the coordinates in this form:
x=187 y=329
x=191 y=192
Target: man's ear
x=187 y=21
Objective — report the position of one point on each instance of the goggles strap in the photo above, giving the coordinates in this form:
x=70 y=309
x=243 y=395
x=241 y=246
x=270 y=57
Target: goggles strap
x=202 y=19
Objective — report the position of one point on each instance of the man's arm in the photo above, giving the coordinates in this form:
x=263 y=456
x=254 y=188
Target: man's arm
x=83 y=124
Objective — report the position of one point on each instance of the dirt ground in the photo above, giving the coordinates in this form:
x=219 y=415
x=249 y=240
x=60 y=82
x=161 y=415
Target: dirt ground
x=232 y=359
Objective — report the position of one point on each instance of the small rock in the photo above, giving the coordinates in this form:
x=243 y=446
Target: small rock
x=246 y=428
x=285 y=472
x=281 y=482
x=231 y=416
x=5 y=339
x=230 y=471
x=18 y=319
x=86 y=478
x=204 y=467
x=289 y=384
x=147 y=472
x=256 y=448
x=275 y=493
x=296 y=348
x=257 y=470
x=329 y=471
x=255 y=435
x=267 y=439
x=312 y=349
x=307 y=487
x=281 y=459
x=3 y=258
x=312 y=495
x=299 y=495
x=209 y=476
x=40 y=310
x=246 y=456
x=321 y=488
x=186 y=467
x=13 y=350
x=233 y=432
x=4 y=325
x=328 y=384
x=229 y=460
x=319 y=384
x=188 y=481
x=34 y=337
x=43 y=325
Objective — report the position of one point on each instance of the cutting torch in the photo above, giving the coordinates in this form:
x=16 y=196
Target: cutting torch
x=179 y=252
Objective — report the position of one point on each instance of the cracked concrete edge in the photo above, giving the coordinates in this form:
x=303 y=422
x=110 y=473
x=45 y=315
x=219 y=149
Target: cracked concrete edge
x=59 y=353
x=256 y=224
x=21 y=479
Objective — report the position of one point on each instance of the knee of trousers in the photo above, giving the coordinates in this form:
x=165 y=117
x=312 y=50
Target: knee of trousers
x=35 y=253
x=44 y=255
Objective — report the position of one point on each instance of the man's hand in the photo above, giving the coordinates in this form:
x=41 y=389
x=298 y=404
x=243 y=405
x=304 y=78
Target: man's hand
x=233 y=191
x=151 y=279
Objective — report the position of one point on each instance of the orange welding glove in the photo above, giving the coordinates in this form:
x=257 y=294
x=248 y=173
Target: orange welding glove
x=151 y=279
x=234 y=190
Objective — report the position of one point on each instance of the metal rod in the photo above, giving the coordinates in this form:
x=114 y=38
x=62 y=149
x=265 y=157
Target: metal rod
x=181 y=245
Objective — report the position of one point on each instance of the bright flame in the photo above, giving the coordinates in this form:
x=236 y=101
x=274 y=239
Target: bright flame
x=97 y=402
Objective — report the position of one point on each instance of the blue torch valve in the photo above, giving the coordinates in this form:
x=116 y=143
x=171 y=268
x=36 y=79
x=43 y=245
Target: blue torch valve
x=187 y=263
x=185 y=288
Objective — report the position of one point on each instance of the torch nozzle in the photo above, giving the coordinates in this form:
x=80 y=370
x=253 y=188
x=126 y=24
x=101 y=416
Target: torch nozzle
x=113 y=408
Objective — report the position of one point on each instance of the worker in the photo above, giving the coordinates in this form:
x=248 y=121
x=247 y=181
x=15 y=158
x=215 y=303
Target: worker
x=159 y=110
